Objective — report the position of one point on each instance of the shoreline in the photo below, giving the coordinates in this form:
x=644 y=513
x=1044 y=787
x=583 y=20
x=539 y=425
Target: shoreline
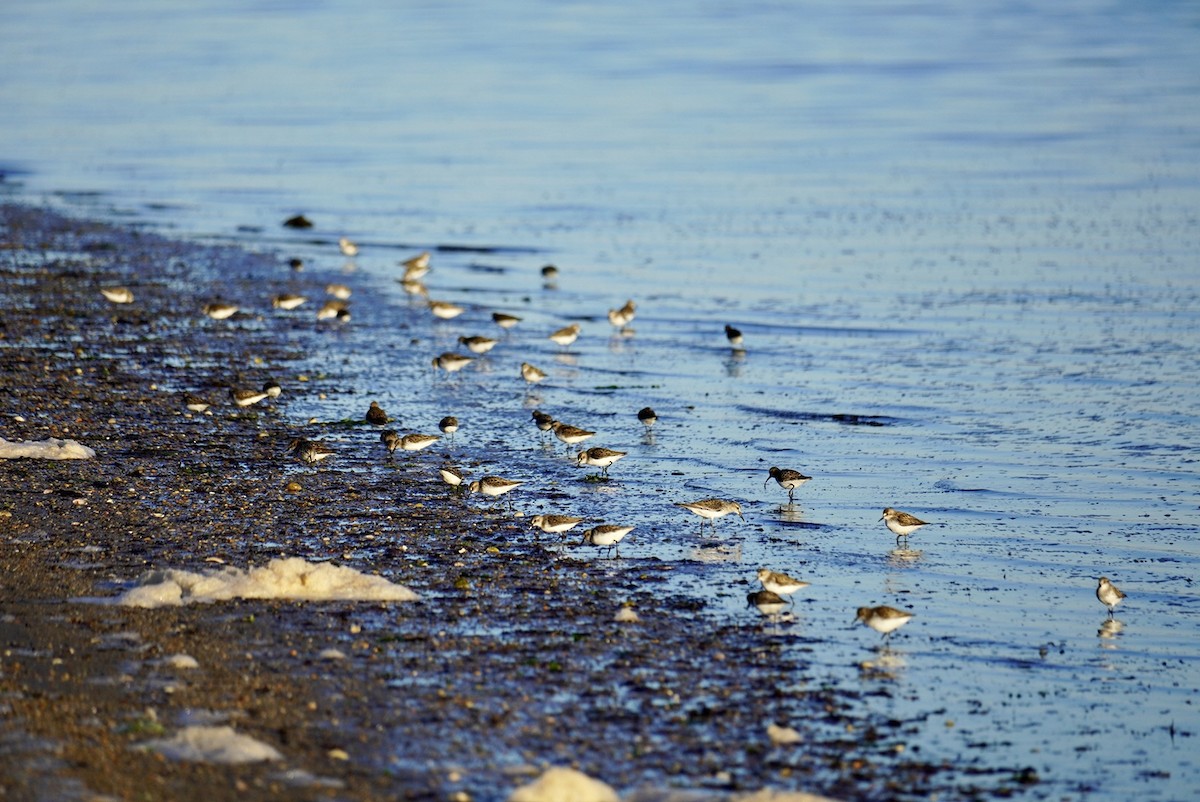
x=509 y=663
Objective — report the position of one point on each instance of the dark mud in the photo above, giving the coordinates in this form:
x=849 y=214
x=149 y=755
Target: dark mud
x=510 y=662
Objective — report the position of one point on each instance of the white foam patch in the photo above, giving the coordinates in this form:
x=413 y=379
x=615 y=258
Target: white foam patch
x=559 y=783
x=181 y=661
x=45 y=449
x=212 y=745
x=292 y=578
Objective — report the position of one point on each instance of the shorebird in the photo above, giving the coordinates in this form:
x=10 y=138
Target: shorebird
x=118 y=295
x=451 y=362
x=376 y=415
x=780 y=583
x=493 y=486
x=788 y=479
x=712 y=508
x=601 y=458
x=571 y=435
x=220 y=311
x=566 y=335
x=309 y=451
x=530 y=374
x=901 y=523
x=647 y=416
x=883 y=619
x=1109 y=594
x=735 y=337
x=607 y=536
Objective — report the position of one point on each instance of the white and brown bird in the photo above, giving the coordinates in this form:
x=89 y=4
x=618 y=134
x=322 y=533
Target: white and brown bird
x=452 y=362
x=416 y=442
x=195 y=403
x=768 y=602
x=598 y=457
x=607 y=536
x=416 y=267
x=647 y=416
x=220 y=311
x=451 y=476
x=448 y=426
x=339 y=291
x=781 y=583
x=620 y=318
x=883 y=619
x=391 y=440
x=309 y=451
x=504 y=320
x=736 y=340
x=531 y=374
x=494 y=486
x=1109 y=594
x=788 y=479
x=571 y=435
x=710 y=509
x=246 y=397
x=376 y=415
x=566 y=335
x=555 y=524
x=347 y=247
x=117 y=295
x=478 y=345
x=444 y=310
x=288 y=301
x=901 y=523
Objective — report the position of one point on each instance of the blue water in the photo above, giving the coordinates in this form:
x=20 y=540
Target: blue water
x=977 y=222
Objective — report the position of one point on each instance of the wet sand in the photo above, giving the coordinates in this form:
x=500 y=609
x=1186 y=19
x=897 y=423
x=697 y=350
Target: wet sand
x=510 y=662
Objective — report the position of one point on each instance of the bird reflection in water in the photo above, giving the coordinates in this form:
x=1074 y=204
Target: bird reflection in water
x=902 y=557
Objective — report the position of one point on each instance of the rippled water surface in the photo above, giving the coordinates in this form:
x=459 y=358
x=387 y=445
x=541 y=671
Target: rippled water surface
x=961 y=241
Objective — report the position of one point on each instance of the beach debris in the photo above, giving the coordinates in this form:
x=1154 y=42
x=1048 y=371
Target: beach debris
x=292 y=578
x=558 y=784
x=212 y=745
x=52 y=448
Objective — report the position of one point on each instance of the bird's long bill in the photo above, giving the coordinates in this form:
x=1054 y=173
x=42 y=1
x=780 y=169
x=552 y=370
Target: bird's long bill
x=881 y=518
x=743 y=517
x=767 y=480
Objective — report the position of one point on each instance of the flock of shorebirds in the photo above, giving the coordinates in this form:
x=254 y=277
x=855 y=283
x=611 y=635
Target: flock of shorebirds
x=777 y=587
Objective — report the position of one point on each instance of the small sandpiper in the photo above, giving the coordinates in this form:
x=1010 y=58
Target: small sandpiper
x=598 y=457
x=493 y=486
x=571 y=435
x=309 y=451
x=451 y=362
x=339 y=291
x=391 y=440
x=901 y=523
x=347 y=247
x=1109 y=595
x=530 y=374
x=736 y=341
x=788 y=479
x=272 y=388
x=220 y=311
x=620 y=318
x=549 y=276
x=448 y=426
x=118 y=295
x=780 y=583
x=883 y=619
x=376 y=415
x=445 y=310
x=416 y=267
x=296 y=264
x=543 y=421
x=195 y=403
x=478 y=345
x=246 y=397
x=712 y=508
x=287 y=301
x=647 y=416
x=416 y=442
x=607 y=536
x=505 y=321
x=333 y=309
x=555 y=524
x=451 y=476
x=768 y=602
x=566 y=335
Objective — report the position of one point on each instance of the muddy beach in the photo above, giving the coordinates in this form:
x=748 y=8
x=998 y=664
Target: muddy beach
x=510 y=662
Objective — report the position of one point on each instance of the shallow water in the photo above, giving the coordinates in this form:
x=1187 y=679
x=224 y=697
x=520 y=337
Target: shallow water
x=975 y=227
